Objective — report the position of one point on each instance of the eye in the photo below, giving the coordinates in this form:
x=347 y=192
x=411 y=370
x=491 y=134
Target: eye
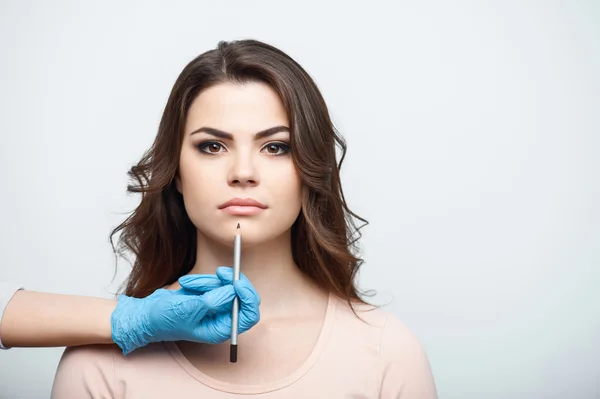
x=210 y=147
x=277 y=149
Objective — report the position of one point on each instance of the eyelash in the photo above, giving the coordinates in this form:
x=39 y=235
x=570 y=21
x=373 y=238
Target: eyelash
x=205 y=144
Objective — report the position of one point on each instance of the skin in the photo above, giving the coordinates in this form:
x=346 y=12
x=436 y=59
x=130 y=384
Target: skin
x=248 y=168
x=40 y=319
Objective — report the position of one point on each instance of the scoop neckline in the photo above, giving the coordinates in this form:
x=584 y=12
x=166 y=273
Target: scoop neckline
x=271 y=386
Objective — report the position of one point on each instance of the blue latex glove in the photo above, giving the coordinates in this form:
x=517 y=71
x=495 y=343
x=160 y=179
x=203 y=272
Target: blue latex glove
x=199 y=312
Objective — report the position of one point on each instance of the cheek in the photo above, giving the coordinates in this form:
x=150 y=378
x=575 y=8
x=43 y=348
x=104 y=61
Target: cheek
x=287 y=186
x=196 y=188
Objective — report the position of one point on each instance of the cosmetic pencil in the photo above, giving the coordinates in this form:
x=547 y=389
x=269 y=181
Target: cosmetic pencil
x=237 y=249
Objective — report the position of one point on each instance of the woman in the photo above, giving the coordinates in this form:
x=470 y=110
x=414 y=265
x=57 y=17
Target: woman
x=246 y=138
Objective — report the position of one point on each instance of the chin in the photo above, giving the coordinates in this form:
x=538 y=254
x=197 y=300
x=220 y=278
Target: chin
x=254 y=232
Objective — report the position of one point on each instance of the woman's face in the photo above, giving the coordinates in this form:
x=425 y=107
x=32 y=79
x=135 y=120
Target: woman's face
x=223 y=159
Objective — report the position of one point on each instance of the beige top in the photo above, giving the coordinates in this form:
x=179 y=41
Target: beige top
x=351 y=359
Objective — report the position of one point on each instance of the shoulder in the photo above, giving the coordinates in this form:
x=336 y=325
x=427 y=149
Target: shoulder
x=405 y=371
x=398 y=339
x=393 y=334
x=361 y=314
x=374 y=325
x=402 y=364
x=394 y=337
x=86 y=371
x=88 y=356
x=102 y=371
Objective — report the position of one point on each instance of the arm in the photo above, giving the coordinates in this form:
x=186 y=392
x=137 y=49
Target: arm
x=36 y=319
x=65 y=320
x=405 y=369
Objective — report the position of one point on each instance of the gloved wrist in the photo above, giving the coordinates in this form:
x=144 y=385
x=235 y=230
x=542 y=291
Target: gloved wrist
x=127 y=321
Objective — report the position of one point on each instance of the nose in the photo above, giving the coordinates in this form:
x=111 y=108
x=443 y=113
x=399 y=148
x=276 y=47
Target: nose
x=243 y=171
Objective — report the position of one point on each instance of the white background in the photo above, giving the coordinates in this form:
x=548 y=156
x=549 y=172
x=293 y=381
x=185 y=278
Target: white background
x=473 y=131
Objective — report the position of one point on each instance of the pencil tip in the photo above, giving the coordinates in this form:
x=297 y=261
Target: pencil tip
x=238 y=226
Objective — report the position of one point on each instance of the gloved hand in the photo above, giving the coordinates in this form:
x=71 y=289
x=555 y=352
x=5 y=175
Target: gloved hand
x=199 y=312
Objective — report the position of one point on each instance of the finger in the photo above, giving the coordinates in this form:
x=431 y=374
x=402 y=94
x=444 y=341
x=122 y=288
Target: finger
x=249 y=304
x=200 y=283
x=214 y=329
x=225 y=274
x=218 y=300
x=246 y=292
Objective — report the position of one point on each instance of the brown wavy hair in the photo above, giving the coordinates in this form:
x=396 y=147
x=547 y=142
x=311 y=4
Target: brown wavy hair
x=324 y=236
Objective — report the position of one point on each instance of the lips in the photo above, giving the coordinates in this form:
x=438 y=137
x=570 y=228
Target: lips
x=242 y=202
x=242 y=207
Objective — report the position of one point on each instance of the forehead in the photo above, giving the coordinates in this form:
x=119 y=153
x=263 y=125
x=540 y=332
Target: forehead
x=237 y=108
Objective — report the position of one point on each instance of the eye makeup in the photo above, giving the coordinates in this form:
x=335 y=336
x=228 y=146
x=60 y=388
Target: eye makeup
x=205 y=146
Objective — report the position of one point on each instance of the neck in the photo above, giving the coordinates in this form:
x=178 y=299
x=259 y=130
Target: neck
x=270 y=268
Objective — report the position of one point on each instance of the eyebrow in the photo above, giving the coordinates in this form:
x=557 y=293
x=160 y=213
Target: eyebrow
x=228 y=136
